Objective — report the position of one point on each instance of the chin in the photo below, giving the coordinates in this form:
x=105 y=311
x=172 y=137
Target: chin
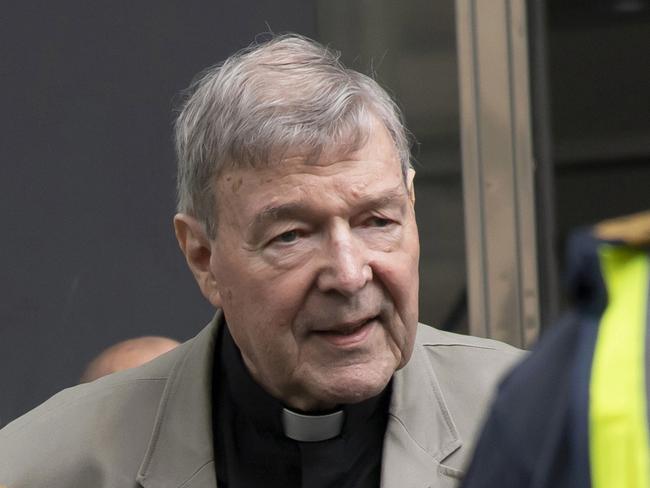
x=356 y=387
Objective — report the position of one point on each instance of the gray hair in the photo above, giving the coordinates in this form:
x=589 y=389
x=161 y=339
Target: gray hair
x=289 y=94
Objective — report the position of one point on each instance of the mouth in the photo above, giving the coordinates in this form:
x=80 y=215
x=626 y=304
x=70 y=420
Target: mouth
x=348 y=334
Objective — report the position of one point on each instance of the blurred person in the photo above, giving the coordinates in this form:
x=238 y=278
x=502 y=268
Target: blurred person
x=127 y=354
x=575 y=412
x=296 y=217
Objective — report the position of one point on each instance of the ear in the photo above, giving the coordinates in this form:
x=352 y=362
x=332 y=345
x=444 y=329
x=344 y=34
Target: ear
x=410 y=175
x=197 y=248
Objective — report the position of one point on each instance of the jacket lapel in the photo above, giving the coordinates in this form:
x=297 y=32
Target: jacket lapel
x=420 y=432
x=180 y=451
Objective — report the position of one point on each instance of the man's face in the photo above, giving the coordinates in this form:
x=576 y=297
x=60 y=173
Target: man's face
x=316 y=269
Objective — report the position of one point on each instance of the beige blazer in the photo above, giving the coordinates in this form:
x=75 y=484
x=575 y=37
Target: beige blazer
x=151 y=426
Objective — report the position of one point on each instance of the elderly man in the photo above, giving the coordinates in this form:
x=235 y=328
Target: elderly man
x=296 y=218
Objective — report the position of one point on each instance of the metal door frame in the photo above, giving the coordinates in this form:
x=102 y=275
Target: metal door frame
x=498 y=170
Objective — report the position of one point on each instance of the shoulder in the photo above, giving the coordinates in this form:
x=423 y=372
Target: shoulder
x=428 y=335
x=467 y=369
x=70 y=440
x=448 y=385
x=466 y=352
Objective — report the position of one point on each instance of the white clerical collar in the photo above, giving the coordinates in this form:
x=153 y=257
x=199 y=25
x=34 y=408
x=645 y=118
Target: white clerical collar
x=312 y=428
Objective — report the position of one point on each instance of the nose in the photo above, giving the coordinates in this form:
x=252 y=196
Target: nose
x=346 y=269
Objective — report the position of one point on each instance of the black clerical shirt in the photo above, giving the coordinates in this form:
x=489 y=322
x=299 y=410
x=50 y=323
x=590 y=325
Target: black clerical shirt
x=251 y=449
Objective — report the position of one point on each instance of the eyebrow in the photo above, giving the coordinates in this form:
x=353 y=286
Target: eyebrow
x=298 y=210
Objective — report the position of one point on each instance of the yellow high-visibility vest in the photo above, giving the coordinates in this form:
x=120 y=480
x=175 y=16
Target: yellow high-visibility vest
x=618 y=398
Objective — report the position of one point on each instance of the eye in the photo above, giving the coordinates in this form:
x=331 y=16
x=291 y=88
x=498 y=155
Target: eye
x=378 y=222
x=287 y=237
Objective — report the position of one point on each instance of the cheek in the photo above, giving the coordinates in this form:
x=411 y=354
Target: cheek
x=411 y=265
x=266 y=303
x=398 y=274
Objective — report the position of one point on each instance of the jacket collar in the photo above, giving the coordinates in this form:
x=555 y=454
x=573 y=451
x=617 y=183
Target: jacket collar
x=420 y=432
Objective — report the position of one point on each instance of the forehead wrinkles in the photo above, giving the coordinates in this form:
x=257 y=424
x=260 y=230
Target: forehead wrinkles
x=331 y=184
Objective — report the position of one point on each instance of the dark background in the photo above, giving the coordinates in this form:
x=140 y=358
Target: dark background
x=87 y=254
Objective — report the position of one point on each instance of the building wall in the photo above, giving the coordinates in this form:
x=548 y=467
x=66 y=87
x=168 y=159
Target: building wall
x=87 y=254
